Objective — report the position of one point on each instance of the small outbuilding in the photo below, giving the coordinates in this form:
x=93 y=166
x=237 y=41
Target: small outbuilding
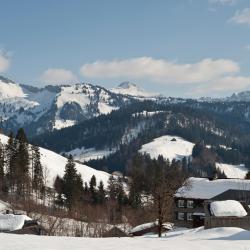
x=228 y=213
x=151 y=227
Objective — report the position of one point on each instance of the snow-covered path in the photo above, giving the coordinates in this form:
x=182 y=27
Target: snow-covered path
x=221 y=238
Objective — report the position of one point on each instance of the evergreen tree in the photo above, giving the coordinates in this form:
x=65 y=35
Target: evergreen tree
x=71 y=183
x=10 y=162
x=197 y=149
x=22 y=162
x=92 y=189
x=248 y=175
x=38 y=179
x=79 y=187
x=2 y=174
x=112 y=189
x=101 y=193
x=58 y=186
x=121 y=196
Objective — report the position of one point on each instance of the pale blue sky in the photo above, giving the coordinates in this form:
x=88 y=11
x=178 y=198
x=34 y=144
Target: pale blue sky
x=176 y=47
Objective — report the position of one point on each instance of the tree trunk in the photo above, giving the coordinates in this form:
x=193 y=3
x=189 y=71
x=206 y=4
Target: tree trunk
x=159 y=216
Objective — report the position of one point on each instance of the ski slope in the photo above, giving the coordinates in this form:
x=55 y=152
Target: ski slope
x=54 y=164
x=215 y=239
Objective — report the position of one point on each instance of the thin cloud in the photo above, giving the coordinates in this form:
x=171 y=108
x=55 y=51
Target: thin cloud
x=161 y=71
x=224 y=2
x=230 y=83
x=241 y=17
x=4 y=62
x=56 y=76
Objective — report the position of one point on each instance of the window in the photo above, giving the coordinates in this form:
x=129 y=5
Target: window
x=189 y=216
x=181 y=216
x=190 y=204
x=181 y=203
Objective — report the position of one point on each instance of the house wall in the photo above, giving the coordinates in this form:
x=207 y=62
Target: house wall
x=198 y=207
x=241 y=222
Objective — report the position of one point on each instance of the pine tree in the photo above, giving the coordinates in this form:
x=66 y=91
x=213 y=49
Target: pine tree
x=10 y=162
x=22 y=163
x=2 y=174
x=58 y=186
x=248 y=175
x=121 y=196
x=38 y=179
x=79 y=187
x=92 y=189
x=112 y=188
x=101 y=193
x=71 y=183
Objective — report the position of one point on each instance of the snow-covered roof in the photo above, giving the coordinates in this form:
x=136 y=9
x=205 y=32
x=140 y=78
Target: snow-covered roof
x=202 y=188
x=11 y=222
x=227 y=208
x=150 y=225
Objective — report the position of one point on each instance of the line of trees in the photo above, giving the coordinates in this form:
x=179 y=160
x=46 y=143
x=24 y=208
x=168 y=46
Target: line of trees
x=145 y=195
x=21 y=171
x=72 y=193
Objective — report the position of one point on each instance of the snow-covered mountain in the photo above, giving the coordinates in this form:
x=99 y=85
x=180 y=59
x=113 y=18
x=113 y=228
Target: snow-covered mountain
x=243 y=96
x=54 y=164
x=131 y=89
x=240 y=97
x=53 y=107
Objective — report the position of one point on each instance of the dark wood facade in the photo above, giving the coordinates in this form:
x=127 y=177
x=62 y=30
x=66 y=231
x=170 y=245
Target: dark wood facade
x=194 y=216
x=189 y=212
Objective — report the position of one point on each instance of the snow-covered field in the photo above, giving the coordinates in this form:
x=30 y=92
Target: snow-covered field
x=170 y=147
x=219 y=238
x=86 y=154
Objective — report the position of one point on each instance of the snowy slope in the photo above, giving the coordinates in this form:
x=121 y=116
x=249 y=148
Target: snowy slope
x=86 y=154
x=233 y=171
x=215 y=239
x=170 y=147
x=54 y=165
x=9 y=89
x=127 y=88
x=179 y=148
x=86 y=98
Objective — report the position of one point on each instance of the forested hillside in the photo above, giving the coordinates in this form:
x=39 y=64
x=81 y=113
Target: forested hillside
x=127 y=129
